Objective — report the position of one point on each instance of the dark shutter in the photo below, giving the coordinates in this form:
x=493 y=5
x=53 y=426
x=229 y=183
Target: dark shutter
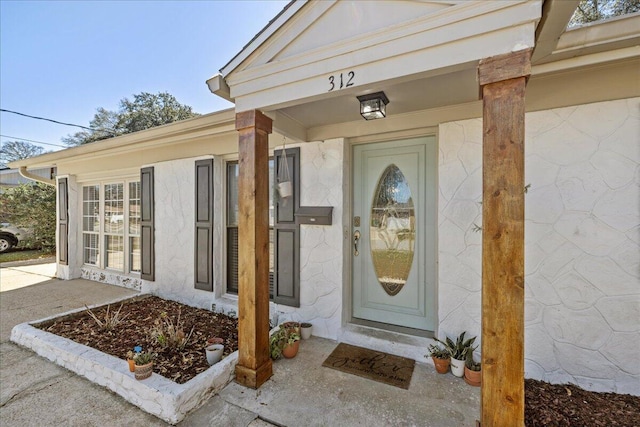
x=287 y=235
x=204 y=225
x=147 y=231
x=63 y=221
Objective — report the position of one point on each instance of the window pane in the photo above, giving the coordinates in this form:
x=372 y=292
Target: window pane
x=232 y=194
x=90 y=242
x=114 y=246
x=271 y=201
x=134 y=208
x=392 y=230
x=91 y=208
x=134 y=255
x=114 y=209
x=232 y=227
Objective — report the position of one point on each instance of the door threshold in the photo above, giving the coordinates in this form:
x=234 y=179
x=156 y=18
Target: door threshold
x=392 y=342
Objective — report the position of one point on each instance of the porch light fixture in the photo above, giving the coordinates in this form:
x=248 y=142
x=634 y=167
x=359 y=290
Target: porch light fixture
x=373 y=106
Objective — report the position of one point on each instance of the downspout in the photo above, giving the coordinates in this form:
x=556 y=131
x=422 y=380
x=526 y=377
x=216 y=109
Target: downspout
x=28 y=175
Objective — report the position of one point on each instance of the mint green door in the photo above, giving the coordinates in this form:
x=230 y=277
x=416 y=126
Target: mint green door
x=394 y=232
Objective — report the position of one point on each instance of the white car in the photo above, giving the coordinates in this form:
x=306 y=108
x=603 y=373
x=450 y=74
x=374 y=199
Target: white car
x=10 y=236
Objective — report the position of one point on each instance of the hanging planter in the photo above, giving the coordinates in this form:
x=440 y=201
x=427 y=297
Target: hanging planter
x=285 y=187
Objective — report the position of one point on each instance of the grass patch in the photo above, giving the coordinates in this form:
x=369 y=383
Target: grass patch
x=25 y=255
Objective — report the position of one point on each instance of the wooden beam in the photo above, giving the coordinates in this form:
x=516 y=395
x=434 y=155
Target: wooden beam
x=503 y=82
x=254 y=365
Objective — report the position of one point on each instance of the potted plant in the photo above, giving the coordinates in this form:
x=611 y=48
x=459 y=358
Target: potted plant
x=214 y=353
x=441 y=358
x=143 y=364
x=276 y=344
x=292 y=343
x=458 y=352
x=305 y=330
x=291 y=326
x=472 y=371
x=284 y=342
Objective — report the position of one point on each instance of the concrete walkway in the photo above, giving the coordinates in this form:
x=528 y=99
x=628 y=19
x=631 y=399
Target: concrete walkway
x=36 y=392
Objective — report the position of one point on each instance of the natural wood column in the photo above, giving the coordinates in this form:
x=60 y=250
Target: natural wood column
x=503 y=79
x=254 y=365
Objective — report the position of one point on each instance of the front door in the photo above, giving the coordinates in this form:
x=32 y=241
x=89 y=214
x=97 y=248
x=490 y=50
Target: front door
x=394 y=232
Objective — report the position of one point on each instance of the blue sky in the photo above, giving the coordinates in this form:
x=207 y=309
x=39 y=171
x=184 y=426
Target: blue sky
x=64 y=59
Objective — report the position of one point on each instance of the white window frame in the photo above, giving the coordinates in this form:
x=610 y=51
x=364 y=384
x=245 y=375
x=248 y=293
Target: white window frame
x=101 y=261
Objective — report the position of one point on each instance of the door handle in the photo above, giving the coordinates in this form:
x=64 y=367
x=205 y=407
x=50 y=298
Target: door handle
x=356 y=239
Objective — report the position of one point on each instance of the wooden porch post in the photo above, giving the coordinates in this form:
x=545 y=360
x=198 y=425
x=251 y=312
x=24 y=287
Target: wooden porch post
x=503 y=79
x=254 y=365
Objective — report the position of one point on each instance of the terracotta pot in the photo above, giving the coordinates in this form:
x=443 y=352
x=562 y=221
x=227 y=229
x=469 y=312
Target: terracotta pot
x=473 y=378
x=215 y=340
x=442 y=365
x=144 y=371
x=457 y=367
x=290 y=350
x=132 y=365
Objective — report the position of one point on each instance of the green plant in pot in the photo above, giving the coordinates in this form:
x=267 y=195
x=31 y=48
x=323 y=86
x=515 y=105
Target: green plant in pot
x=441 y=357
x=458 y=350
x=284 y=342
x=143 y=364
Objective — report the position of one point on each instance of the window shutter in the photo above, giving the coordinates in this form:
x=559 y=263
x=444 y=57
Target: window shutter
x=63 y=221
x=204 y=225
x=147 y=231
x=287 y=235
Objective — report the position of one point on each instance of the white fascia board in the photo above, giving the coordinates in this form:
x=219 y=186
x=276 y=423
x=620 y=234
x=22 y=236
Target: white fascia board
x=262 y=37
x=586 y=60
x=214 y=123
x=409 y=52
x=391 y=69
x=598 y=33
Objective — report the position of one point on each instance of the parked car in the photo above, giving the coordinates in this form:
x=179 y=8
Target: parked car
x=10 y=236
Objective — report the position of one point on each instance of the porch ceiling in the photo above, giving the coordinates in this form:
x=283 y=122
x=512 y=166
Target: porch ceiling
x=451 y=88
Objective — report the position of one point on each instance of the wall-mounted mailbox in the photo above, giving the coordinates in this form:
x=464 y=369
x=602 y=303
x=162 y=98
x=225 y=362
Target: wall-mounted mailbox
x=314 y=215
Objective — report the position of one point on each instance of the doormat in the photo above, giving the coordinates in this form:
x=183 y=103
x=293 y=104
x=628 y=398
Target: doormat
x=374 y=365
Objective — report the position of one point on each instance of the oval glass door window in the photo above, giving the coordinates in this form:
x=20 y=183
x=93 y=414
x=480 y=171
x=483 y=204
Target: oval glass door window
x=392 y=230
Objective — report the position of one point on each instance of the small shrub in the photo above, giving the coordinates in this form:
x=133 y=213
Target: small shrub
x=169 y=334
x=111 y=319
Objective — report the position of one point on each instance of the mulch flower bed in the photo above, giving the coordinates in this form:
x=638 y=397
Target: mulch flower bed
x=545 y=404
x=566 y=405
x=140 y=317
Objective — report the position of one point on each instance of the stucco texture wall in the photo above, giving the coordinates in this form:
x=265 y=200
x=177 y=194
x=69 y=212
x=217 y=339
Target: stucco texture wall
x=582 y=241
x=174 y=233
x=321 y=260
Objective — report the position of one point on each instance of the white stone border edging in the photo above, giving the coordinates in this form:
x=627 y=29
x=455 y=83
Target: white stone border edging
x=157 y=395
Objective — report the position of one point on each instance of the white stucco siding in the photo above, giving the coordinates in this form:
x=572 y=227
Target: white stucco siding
x=174 y=183
x=582 y=240
x=321 y=250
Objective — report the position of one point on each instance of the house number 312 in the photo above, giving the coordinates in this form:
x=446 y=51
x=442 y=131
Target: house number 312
x=341 y=80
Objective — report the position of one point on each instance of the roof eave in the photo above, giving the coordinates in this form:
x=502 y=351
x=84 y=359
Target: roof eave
x=263 y=35
x=157 y=133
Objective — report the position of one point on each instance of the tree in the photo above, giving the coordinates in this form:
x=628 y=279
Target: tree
x=597 y=10
x=18 y=150
x=145 y=111
x=32 y=207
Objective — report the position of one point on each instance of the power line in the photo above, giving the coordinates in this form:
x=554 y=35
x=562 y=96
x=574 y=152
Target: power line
x=55 y=121
x=37 y=142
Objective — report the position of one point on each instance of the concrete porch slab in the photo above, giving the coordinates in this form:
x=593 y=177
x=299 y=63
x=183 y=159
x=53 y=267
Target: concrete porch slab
x=302 y=392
